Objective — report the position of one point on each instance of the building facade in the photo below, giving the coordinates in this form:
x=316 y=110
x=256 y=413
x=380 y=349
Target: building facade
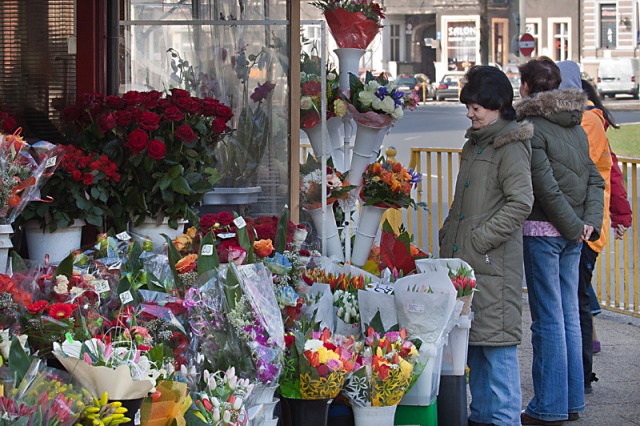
x=555 y=26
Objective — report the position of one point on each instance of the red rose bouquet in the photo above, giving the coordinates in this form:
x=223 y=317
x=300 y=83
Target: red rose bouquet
x=164 y=147
x=353 y=23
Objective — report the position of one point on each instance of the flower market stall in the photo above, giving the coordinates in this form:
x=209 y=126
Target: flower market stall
x=174 y=315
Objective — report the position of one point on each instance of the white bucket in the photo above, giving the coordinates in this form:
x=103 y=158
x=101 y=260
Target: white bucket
x=57 y=245
x=379 y=416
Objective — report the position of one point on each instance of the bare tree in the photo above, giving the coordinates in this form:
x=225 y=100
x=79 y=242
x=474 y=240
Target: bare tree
x=485 y=31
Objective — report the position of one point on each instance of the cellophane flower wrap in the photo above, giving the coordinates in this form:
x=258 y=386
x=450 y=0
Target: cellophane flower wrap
x=24 y=169
x=316 y=365
x=384 y=371
x=388 y=184
x=44 y=397
x=376 y=102
x=312 y=187
x=221 y=398
x=353 y=23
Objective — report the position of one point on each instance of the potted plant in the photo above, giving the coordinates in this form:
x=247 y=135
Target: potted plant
x=164 y=147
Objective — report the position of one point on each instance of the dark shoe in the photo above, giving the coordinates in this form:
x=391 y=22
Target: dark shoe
x=573 y=417
x=588 y=389
x=526 y=419
x=472 y=423
x=596 y=346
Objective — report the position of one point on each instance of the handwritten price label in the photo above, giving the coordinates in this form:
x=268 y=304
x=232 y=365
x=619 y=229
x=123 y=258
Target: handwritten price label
x=50 y=162
x=123 y=236
x=126 y=297
x=102 y=286
x=416 y=309
x=206 y=250
x=226 y=235
x=380 y=288
x=240 y=222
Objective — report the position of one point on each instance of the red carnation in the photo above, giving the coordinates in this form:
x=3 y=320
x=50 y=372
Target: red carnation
x=37 y=307
x=218 y=125
x=76 y=175
x=87 y=178
x=157 y=149
x=173 y=114
x=185 y=133
x=148 y=120
x=137 y=141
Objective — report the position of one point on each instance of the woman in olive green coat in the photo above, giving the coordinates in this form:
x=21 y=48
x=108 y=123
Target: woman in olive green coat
x=493 y=198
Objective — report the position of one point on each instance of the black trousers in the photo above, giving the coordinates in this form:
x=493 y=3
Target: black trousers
x=587 y=264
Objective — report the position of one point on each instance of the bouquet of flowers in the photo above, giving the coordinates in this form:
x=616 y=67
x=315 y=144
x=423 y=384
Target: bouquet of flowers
x=344 y=281
x=221 y=398
x=388 y=184
x=464 y=281
x=353 y=23
x=311 y=98
x=376 y=102
x=80 y=188
x=43 y=398
x=312 y=187
x=164 y=148
x=316 y=365
x=385 y=370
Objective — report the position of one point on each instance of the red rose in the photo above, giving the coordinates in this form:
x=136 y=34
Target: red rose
x=182 y=103
x=173 y=114
x=148 y=120
x=132 y=97
x=76 y=175
x=218 y=125
x=225 y=218
x=9 y=125
x=114 y=102
x=179 y=93
x=156 y=150
x=137 y=141
x=87 y=178
x=124 y=117
x=289 y=339
x=72 y=113
x=150 y=99
x=193 y=106
x=209 y=106
x=115 y=177
x=95 y=165
x=185 y=133
x=106 y=122
x=224 y=112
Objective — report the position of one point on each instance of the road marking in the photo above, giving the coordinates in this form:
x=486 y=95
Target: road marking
x=412 y=138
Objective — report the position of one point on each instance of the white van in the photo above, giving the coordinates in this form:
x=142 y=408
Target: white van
x=619 y=75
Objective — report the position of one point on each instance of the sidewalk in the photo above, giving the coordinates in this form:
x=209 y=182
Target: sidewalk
x=615 y=400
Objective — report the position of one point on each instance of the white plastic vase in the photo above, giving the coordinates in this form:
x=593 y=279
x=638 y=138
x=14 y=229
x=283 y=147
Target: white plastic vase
x=348 y=62
x=56 y=244
x=379 y=416
x=333 y=245
x=378 y=145
x=149 y=229
x=5 y=246
x=370 y=218
x=262 y=394
x=337 y=143
x=368 y=140
x=315 y=138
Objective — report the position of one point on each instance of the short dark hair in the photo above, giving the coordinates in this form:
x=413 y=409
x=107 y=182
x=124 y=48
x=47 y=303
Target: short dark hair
x=490 y=88
x=541 y=75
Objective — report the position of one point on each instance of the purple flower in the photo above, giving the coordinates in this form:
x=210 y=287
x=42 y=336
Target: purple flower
x=266 y=372
x=392 y=336
x=262 y=91
x=334 y=364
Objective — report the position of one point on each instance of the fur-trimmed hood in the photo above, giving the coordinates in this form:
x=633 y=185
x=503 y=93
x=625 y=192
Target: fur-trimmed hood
x=544 y=104
x=522 y=132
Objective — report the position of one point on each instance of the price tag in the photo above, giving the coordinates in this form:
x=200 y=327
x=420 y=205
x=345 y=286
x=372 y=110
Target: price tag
x=102 y=286
x=123 y=236
x=416 y=309
x=206 y=250
x=226 y=235
x=126 y=297
x=50 y=162
x=381 y=288
x=249 y=272
x=240 y=222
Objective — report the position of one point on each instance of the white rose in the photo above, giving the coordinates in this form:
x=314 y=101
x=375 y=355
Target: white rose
x=313 y=345
x=366 y=98
x=306 y=103
x=397 y=113
x=388 y=104
x=372 y=86
x=331 y=76
x=377 y=104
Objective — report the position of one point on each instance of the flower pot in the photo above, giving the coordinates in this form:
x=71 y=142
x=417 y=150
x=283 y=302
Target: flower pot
x=368 y=140
x=5 y=245
x=337 y=144
x=305 y=412
x=151 y=230
x=262 y=393
x=333 y=246
x=132 y=406
x=349 y=62
x=379 y=416
x=57 y=245
x=370 y=217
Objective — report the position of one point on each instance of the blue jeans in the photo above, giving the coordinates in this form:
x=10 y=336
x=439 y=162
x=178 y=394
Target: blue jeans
x=494 y=381
x=551 y=267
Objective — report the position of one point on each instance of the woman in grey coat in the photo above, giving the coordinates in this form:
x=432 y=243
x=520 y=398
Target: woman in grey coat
x=493 y=197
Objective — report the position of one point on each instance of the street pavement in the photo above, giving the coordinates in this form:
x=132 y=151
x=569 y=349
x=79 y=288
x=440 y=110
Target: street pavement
x=615 y=400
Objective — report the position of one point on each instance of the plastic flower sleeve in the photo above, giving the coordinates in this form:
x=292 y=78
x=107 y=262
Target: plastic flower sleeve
x=426 y=304
x=377 y=305
x=351 y=29
x=321 y=306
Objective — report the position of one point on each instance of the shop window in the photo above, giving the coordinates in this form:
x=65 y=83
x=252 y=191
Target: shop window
x=462 y=42
x=608 y=28
x=560 y=41
x=394 y=39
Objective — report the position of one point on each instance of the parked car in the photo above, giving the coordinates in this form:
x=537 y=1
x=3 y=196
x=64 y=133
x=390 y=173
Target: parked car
x=618 y=76
x=449 y=86
x=406 y=83
x=513 y=74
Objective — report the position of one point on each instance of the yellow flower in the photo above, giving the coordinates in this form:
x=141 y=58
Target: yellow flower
x=324 y=355
x=406 y=368
x=185 y=239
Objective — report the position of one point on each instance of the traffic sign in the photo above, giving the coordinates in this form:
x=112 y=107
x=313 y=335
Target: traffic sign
x=527 y=44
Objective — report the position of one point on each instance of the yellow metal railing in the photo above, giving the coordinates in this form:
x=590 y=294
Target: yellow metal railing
x=615 y=278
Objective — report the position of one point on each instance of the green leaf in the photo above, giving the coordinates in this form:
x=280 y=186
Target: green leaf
x=156 y=354
x=232 y=289
x=244 y=240
x=19 y=361
x=17 y=262
x=181 y=185
x=174 y=257
x=65 y=268
x=386 y=226
x=281 y=236
x=192 y=420
x=208 y=262
x=175 y=171
x=164 y=182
